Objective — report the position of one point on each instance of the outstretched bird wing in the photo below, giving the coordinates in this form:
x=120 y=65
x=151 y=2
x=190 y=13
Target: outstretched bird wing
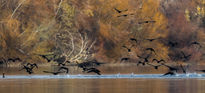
x=48 y=72
x=154 y=60
x=117 y=10
x=63 y=68
x=196 y=43
x=122 y=59
x=94 y=70
x=35 y=65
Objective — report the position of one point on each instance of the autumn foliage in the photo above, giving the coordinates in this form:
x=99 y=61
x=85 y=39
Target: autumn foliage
x=95 y=29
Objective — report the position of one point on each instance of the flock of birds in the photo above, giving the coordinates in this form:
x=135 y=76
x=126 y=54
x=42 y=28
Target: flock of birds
x=148 y=58
x=121 y=14
x=88 y=66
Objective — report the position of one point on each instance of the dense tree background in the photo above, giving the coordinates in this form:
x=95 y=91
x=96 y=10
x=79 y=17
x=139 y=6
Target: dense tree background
x=92 y=29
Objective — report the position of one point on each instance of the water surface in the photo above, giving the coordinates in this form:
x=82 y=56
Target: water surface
x=99 y=85
x=102 y=86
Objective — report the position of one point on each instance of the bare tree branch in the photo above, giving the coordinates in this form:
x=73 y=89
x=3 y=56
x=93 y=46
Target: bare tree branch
x=73 y=45
x=17 y=8
x=59 y=5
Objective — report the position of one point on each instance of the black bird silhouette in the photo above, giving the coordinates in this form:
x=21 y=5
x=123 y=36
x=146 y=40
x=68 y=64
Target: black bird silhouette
x=125 y=59
x=146 y=59
x=172 y=44
x=85 y=69
x=54 y=73
x=140 y=62
x=45 y=57
x=125 y=15
x=150 y=49
x=201 y=70
x=2 y=61
x=63 y=68
x=146 y=22
x=31 y=66
x=14 y=59
x=184 y=71
x=28 y=69
x=120 y=11
x=196 y=43
x=133 y=39
x=170 y=68
x=155 y=66
x=185 y=57
x=89 y=70
x=150 y=40
x=169 y=73
x=158 y=61
x=128 y=49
